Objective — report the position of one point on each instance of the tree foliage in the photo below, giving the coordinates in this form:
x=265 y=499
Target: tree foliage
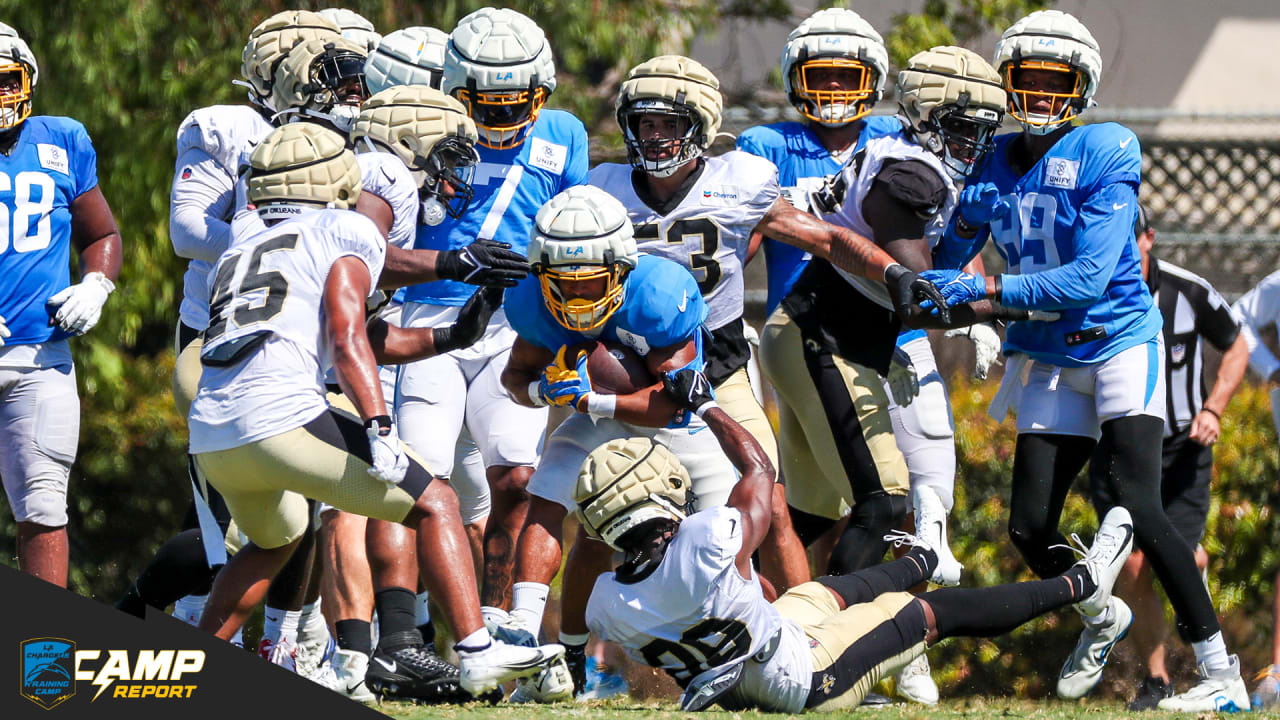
x=953 y=22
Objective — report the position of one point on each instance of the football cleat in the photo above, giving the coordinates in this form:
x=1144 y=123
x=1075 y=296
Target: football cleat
x=345 y=675
x=1267 y=693
x=1111 y=547
x=414 y=672
x=931 y=528
x=554 y=684
x=483 y=670
x=313 y=653
x=915 y=682
x=1083 y=668
x=1218 y=691
x=283 y=653
x=1150 y=693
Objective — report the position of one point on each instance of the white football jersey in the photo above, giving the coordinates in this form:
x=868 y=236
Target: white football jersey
x=224 y=136
x=271 y=283
x=860 y=174
x=708 y=229
x=696 y=613
x=386 y=176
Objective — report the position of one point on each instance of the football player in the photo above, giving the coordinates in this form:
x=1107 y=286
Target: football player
x=411 y=56
x=289 y=301
x=1059 y=201
x=686 y=599
x=499 y=65
x=701 y=212
x=52 y=203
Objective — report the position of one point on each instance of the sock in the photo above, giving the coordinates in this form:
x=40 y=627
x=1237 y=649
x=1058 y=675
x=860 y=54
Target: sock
x=866 y=584
x=189 y=608
x=993 y=611
x=475 y=642
x=280 y=625
x=529 y=601
x=354 y=635
x=573 y=640
x=494 y=615
x=396 y=617
x=311 y=626
x=1212 y=651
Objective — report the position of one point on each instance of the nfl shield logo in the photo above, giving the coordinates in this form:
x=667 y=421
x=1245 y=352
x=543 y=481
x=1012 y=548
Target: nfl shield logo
x=48 y=668
x=1178 y=353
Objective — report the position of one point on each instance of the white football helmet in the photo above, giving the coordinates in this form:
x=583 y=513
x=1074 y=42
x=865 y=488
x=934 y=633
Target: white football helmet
x=582 y=234
x=301 y=167
x=322 y=79
x=498 y=64
x=627 y=482
x=270 y=42
x=669 y=85
x=18 y=67
x=828 y=42
x=1053 y=41
x=952 y=101
x=431 y=133
x=354 y=26
x=411 y=56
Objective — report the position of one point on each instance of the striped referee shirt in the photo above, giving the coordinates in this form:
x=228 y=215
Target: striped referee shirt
x=1192 y=309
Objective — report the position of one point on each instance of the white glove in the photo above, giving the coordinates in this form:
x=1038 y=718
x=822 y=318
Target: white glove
x=4 y=331
x=390 y=464
x=80 y=306
x=986 y=346
x=904 y=385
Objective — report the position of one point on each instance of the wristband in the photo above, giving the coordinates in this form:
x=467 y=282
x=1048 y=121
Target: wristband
x=1211 y=411
x=382 y=422
x=704 y=407
x=535 y=394
x=602 y=405
x=999 y=294
x=964 y=229
x=442 y=340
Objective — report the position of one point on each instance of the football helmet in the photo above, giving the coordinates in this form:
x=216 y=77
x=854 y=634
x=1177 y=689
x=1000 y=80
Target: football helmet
x=952 y=101
x=269 y=44
x=830 y=41
x=582 y=234
x=322 y=79
x=299 y=167
x=412 y=56
x=668 y=85
x=353 y=26
x=20 y=72
x=1054 y=41
x=498 y=64
x=431 y=133
x=627 y=482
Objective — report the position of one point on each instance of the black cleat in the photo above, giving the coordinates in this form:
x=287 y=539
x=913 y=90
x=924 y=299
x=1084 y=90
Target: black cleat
x=575 y=656
x=414 y=672
x=1150 y=693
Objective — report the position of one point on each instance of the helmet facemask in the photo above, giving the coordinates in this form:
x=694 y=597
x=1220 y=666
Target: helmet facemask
x=501 y=116
x=337 y=88
x=15 y=93
x=578 y=313
x=661 y=156
x=1065 y=104
x=452 y=162
x=833 y=107
x=960 y=136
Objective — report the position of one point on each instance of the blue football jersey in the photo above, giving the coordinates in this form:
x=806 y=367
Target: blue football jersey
x=661 y=306
x=52 y=163
x=802 y=163
x=1070 y=248
x=510 y=186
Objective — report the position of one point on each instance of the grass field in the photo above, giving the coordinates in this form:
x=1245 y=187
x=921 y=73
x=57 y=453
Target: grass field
x=634 y=710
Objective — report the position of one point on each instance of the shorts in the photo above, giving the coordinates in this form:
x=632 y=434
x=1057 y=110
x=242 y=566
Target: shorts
x=39 y=434
x=1186 y=469
x=187 y=344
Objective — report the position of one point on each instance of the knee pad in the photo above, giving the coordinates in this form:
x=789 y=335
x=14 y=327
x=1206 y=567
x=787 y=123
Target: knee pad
x=43 y=506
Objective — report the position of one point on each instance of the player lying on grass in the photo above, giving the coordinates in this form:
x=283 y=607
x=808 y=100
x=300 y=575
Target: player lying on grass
x=686 y=599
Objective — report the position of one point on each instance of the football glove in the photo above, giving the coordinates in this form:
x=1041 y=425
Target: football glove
x=957 y=286
x=908 y=289
x=473 y=318
x=690 y=389
x=986 y=346
x=981 y=203
x=4 y=331
x=483 y=262
x=564 y=386
x=904 y=384
x=79 y=307
x=390 y=463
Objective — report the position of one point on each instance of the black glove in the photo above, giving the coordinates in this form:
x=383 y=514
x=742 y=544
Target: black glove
x=483 y=262
x=473 y=318
x=908 y=290
x=575 y=656
x=691 y=390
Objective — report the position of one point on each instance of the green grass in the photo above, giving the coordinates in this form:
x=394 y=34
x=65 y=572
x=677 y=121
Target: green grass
x=663 y=710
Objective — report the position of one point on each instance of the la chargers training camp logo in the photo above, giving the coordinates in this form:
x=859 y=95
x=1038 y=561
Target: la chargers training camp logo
x=48 y=671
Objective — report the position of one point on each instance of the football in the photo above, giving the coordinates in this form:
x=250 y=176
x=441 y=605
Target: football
x=615 y=368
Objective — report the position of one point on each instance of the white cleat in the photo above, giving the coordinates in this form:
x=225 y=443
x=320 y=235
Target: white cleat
x=483 y=670
x=1083 y=668
x=507 y=629
x=344 y=674
x=1111 y=547
x=915 y=682
x=554 y=684
x=313 y=653
x=1218 y=691
x=931 y=528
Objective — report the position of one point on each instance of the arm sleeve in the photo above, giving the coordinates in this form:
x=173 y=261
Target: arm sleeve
x=200 y=207
x=1101 y=234
x=1259 y=308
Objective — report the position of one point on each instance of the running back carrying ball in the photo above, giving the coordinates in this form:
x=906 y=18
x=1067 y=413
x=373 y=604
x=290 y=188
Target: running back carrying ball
x=615 y=368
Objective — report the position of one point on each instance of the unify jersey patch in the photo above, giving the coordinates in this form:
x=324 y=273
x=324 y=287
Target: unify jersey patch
x=708 y=229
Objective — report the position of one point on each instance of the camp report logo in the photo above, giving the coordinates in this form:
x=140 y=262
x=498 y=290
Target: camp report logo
x=51 y=668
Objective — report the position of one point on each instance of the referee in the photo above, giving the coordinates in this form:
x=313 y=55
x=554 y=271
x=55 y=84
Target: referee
x=1192 y=310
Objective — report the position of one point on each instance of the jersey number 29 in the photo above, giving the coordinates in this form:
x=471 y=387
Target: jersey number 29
x=711 y=643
